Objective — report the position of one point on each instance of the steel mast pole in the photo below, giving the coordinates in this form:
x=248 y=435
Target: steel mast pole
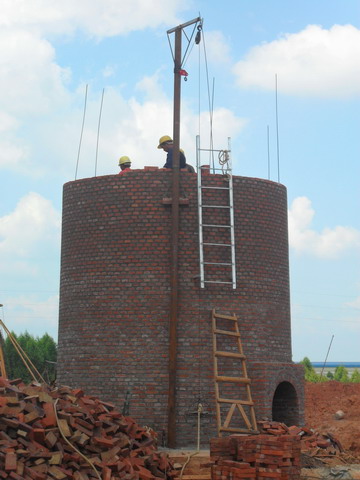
x=174 y=247
x=174 y=302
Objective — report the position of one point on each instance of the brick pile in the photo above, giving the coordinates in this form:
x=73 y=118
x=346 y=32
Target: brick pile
x=262 y=457
x=61 y=433
x=231 y=470
x=312 y=442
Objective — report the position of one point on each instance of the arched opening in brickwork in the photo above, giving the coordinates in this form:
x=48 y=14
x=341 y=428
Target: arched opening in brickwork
x=285 y=405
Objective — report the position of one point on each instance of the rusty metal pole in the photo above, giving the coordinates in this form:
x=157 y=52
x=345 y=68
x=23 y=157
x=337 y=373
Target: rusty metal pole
x=174 y=303
x=174 y=245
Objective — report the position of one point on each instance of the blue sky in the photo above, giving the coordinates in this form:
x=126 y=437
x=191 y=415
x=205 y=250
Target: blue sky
x=51 y=50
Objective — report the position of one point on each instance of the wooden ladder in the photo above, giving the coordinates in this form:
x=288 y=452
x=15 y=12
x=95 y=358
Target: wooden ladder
x=233 y=414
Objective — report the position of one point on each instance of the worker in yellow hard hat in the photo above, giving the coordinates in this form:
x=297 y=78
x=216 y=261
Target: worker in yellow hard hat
x=124 y=164
x=166 y=143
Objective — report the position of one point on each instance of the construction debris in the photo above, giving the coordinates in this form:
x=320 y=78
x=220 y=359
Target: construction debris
x=278 y=452
x=61 y=433
x=312 y=442
x=262 y=457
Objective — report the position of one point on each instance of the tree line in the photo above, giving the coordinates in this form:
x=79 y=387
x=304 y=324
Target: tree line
x=341 y=374
x=41 y=351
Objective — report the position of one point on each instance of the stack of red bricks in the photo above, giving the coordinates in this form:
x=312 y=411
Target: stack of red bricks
x=311 y=440
x=262 y=457
x=61 y=433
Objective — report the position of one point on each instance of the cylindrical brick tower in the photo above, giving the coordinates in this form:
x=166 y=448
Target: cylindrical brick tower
x=115 y=299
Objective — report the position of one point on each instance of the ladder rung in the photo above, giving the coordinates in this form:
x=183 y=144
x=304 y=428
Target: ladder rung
x=215 y=188
x=215 y=263
x=230 y=355
x=246 y=381
x=218 y=281
x=215 y=226
x=236 y=402
x=210 y=150
x=215 y=206
x=226 y=317
x=219 y=244
x=226 y=332
x=238 y=430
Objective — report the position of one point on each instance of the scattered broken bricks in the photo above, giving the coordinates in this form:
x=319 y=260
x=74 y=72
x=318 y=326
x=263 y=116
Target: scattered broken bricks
x=61 y=433
x=312 y=442
x=275 y=453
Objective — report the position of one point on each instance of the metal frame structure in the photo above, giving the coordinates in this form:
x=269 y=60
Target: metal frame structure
x=226 y=169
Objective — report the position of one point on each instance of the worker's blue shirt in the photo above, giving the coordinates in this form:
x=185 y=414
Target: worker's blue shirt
x=169 y=160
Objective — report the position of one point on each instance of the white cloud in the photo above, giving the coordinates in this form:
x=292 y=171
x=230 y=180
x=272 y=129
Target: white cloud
x=217 y=47
x=329 y=243
x=28 y=313
x=35 y=89
x=312 y=62
x=11 y=155
x=134 y=127
x=33 y=82
x=99 y=18
x=33 y=224
x=355 y=303
x=7 y=122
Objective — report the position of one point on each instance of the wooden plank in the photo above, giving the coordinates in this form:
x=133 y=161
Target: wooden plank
x=243 y=380
x=249 y=403
x=230 y=355
x=229 y=415
x=238 y=430
x=227 y=332
x=243 y=414
x=225 y=317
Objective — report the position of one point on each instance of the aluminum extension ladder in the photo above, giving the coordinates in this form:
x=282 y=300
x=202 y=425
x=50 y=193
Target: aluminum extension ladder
x=217 y=258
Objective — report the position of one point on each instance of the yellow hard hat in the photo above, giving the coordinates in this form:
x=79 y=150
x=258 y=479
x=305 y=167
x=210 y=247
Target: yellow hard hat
x=164 y=139
x=123 y=160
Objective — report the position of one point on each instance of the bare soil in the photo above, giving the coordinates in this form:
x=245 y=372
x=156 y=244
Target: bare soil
x=323 y=400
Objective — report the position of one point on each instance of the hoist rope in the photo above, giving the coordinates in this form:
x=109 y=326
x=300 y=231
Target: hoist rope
x=84 y=457
x=199 y=412
x=211 y=104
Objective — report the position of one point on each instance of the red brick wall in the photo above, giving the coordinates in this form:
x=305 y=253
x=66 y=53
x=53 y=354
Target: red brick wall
x=115 y=293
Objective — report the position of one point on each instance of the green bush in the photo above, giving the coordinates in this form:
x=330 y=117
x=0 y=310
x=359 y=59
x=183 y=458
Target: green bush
x=341 y=374
x=355 y=376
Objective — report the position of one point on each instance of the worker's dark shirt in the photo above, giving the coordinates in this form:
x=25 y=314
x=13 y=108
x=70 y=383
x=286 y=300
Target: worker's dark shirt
x=169 y=160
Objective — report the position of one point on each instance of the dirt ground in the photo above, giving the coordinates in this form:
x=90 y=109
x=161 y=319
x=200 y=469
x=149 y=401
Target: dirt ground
x=323 y=400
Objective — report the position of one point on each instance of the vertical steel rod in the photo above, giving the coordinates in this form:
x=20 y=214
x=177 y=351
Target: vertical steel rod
x=174 y=246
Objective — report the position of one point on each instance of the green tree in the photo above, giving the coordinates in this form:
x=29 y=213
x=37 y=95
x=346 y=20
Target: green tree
x=330 y=375
x=355 y=376
x=310 y=374
x=341 y=374
x=40 y=351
